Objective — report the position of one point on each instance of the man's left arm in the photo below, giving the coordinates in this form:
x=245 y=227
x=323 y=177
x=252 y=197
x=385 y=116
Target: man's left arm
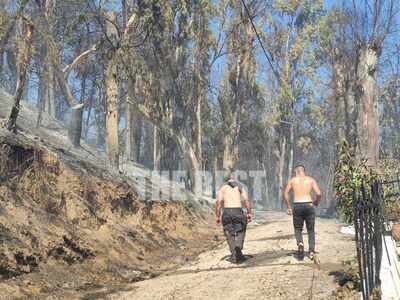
x=317 y=192
x=247 y=204
x=218 y=207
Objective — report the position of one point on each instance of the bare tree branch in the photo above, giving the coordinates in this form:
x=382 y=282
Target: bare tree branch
x=68 y=68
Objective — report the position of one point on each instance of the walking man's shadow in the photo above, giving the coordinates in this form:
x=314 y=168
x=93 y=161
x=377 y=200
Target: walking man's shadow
x=228 y=258
x=262 y=257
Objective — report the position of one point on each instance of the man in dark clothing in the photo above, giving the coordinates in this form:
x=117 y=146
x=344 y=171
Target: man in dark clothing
x=303 y=207
x=233 y=219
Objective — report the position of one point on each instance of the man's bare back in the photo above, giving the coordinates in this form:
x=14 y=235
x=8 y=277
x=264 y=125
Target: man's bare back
x=233 y=219
x=303 y=207
x=302 y=187
x=231 y=197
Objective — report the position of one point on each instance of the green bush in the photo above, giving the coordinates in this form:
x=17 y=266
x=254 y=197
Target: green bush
x=390 y=171
x=350 y=175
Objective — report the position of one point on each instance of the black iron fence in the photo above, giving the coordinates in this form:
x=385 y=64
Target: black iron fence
x=391 y=189
x=369 y=220
x=368 y=225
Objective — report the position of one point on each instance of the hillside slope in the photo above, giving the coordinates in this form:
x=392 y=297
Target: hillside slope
x=69 y=224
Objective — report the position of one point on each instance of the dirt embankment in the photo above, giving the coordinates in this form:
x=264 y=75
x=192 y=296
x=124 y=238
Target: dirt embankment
x=68 y=230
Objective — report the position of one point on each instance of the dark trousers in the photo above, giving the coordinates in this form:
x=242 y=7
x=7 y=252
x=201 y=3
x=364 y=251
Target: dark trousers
x=234 y=223
x=304 y=212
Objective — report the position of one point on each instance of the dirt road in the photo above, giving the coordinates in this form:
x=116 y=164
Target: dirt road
x=271 y=273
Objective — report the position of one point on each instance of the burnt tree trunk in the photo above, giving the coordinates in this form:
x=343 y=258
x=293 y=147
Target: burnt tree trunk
x=89 y=110
x=129 y=129
x=75 y=128
x=147 y=153
x=42 y=90
x=50 y=105
x=24 y=56
x=134 y=124
x=156 y=149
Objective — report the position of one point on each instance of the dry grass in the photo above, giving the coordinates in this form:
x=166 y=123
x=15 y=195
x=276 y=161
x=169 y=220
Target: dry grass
x=5 y=151
x=31 y=174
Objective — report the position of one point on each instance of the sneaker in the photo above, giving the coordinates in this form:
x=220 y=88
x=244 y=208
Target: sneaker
x=300 y=251
x=233 y=259
x=239 y=255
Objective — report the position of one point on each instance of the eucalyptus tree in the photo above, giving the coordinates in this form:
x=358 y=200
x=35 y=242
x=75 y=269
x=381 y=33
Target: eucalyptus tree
x=58 y=65
x=290 y=39
x=10 y=21
x=238 y=88
x=336 y=50
x=164 y=66
x=24 y=58
x=201 y=68
x=372 y=22
x=47 y=97
x=353 y=38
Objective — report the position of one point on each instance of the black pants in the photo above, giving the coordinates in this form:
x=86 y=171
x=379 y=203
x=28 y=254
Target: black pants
x=304 y=212
x=234 y=223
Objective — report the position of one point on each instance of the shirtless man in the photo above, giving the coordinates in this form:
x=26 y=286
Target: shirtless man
x=233 y=219
x=303 y=207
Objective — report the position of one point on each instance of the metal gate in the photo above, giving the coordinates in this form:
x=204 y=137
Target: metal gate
x=369 y=221
x=368 y=224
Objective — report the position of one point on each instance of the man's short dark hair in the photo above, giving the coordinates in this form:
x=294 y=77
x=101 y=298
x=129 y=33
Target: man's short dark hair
x=300 y=166
x=228 y=172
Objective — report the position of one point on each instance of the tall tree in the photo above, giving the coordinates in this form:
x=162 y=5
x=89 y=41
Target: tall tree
x=240 y=87
x=24 y=57
x=290 y=37
x=372 y=22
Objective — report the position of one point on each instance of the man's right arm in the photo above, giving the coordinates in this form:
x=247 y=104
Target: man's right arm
x=286 y=197
x=218 y=206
